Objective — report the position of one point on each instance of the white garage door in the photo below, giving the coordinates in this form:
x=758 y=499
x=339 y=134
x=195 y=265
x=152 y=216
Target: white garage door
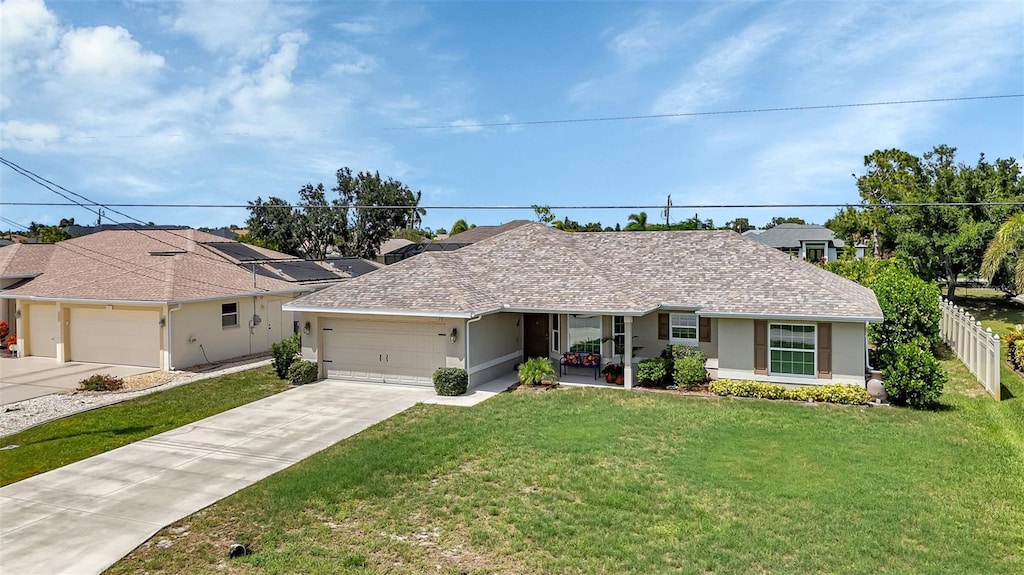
x=392 y=352
x=42 y=330
x=129 y=337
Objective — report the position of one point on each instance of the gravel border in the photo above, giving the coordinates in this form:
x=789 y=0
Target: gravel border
x=22 y=415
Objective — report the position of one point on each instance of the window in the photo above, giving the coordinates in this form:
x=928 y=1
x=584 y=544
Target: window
x=554 y=332
x=229 y=315
x=792 y=349
x=619 y=334
x=683 y=328
x=815 y=252
x=585 y=333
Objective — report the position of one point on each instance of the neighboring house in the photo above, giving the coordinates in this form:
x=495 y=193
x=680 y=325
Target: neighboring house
x=537 y=291
x=393 y=252
x=77 y=231
x=166 y=299
x=805 y=241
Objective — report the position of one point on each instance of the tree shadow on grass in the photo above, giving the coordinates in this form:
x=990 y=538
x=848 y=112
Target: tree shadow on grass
x=133 y=430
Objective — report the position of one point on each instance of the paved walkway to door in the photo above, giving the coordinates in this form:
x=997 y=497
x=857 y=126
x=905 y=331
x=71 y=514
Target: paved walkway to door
x=84 y=517
x=23 y=378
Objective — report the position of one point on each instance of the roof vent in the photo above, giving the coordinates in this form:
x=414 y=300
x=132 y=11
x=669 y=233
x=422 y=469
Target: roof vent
x=169 y=253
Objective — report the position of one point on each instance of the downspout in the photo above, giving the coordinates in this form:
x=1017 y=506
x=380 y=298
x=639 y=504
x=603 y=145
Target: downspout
x=469 y=321
x=170 y=337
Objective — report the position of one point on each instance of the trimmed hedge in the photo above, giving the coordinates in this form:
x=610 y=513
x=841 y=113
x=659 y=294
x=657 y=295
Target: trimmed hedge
x=832 y=393
x=451 y=381
x=651 y=371
x=303 y=372
x=285 y=352
x=689 y=365
x=914 y=378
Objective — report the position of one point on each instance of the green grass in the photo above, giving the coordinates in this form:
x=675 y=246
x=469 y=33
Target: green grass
x=991 y=307
x=605 y=481
x=77 y=437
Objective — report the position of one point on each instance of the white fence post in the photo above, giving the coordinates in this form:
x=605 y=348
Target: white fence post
x=977 y=347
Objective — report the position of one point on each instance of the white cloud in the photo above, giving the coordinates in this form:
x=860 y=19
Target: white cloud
x=28 y=136
x=466 y=126
x=715 y=77
x=104 y=54
x=363 y=27
x=642 y=42
x=239 y=29
x=352 y=61
x=27 y=30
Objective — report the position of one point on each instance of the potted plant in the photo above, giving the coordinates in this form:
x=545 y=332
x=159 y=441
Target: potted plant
x=613 y=373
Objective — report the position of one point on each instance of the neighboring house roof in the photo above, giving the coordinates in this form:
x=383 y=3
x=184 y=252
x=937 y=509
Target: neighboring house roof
x=156 y=265
x=394 y=244
x=448 y=243
x=479 y=233
x=76 y=230
x=352 y=266
x=790 y=235
x=537 y=268
x=5 y=242
x=24 y=260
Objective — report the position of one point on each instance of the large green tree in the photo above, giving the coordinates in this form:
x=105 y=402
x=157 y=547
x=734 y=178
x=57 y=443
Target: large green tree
x=373 y=207
x=320 y=224
x=273 y=224
x=947 y=236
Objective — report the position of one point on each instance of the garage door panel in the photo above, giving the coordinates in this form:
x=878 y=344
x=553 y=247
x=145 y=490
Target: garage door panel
x=391 y=352
x=130 y=337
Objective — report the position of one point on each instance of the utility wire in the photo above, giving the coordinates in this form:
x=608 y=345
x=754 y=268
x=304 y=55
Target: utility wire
x=632 y=117
x=530 y=208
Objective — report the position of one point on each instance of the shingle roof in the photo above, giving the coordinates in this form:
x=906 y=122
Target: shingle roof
x=533 y=267
x=790 y=235
x=149 y=265
x=480 y=233
x=24 y=260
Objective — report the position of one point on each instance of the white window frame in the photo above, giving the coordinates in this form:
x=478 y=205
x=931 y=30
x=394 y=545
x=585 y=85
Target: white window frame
x=823 y=246
x=556 y=333
x=618 y=336
x=813 y=351
x=684 y=322
x=225 y=314
x=589 y=319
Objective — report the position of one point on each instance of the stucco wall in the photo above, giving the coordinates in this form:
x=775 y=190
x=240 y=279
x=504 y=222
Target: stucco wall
x=848 y=351
x=495 y=346
x=199 y=324
x=736 y=345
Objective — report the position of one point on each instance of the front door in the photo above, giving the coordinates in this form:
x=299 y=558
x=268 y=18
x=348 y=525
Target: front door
x=536 y=335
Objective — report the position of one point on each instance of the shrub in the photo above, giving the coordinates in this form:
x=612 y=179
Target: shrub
x=97 y=382
x=4 y=330
x=1016 y=355
x=832 y=393
x=303 y=372
x=536 y=370
x=912 y=314
x=450 y=381
x=651 y=371
x=914 y=377
x=688 y=363
x=285 y=353
x=12 y=340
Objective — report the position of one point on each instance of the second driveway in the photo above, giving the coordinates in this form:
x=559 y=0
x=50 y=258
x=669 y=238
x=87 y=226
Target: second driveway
x=27 y=377
x=97 y=510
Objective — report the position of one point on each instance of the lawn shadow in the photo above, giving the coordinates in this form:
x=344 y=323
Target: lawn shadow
x=122 y=431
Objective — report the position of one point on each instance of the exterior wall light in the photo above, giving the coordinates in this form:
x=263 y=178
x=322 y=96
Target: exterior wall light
x=455 y=334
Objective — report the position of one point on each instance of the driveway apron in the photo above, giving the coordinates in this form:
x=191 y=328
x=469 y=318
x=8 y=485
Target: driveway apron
x=85 y=516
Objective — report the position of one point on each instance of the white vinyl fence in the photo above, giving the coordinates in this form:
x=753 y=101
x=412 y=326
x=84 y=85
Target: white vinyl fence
x=978 y=348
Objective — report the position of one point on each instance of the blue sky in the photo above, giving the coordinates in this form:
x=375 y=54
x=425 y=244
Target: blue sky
x=220 y=102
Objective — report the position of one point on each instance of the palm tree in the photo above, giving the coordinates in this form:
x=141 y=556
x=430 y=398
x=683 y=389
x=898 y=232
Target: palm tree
x=637 y=221
x=417 y=212
x=1006 y=244
x=458 y=227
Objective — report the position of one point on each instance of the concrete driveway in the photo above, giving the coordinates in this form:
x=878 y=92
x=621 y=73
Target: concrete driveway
x=84 y=517
x=27 y=377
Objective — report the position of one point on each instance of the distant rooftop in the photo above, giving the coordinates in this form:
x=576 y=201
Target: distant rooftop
x=785 y=236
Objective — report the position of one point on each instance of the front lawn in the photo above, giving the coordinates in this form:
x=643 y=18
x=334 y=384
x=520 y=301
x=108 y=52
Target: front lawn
x=607 y=481
x=83 y=435
x=991 y=307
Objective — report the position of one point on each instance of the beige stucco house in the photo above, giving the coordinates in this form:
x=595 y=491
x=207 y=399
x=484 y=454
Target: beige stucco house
x=161 y=298
x=536 y=291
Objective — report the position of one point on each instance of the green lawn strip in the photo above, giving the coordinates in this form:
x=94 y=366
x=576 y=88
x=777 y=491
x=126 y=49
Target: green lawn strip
x=991 y=307
x=603 y=481
x=83 y=435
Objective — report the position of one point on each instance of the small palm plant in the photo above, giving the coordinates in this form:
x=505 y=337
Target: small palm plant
x=536 y=370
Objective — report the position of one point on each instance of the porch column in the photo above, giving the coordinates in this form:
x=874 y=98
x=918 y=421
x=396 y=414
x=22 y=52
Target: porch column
x=627 y=352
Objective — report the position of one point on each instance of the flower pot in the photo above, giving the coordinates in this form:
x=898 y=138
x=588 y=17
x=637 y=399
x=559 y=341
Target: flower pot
x=620 y=380
x=609 y=378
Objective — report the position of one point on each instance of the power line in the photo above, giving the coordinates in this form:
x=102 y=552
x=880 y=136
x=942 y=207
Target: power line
x=624 y=118
x=511 y=207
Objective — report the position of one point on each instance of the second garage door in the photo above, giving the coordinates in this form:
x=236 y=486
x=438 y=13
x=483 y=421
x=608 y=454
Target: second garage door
x=128 y=337
x=387 y=351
